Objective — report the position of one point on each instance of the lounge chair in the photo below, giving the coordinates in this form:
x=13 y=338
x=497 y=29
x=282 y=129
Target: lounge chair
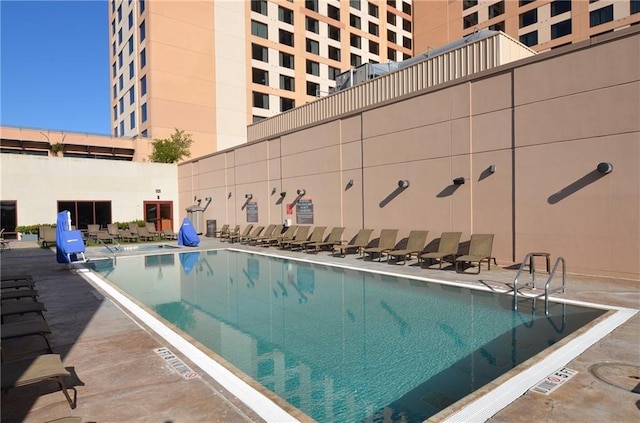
x=151 y=228
x=94 y=232
x=223 y=230
x=334 y=238
x=358 y=243
x=229 y=233
x=301 y=235
x=145 y=235
x=245 y=233
x=113 y=231
x=46 y=367
x=479 y=250
x=316 y=236
x=386 y=243
x=277 y=237
x=26 y=328
x=275 y=232
x=17 y=294
x=13 y=308
x=48 y=235
x=447 y=248
x=4 y=244
x=168 y=233
x=129 y=236
x=415 y=244
x=265 y=233
x=254 y=234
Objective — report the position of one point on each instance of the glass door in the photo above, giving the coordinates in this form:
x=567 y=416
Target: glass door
x=160 y=213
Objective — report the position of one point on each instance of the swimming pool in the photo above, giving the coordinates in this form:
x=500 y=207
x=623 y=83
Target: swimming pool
x=341 y=344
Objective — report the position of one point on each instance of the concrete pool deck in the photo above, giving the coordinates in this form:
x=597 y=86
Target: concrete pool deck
x=119 y=377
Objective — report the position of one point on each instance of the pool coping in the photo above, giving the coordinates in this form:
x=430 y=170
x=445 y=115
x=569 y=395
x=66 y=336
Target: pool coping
x=477 y=406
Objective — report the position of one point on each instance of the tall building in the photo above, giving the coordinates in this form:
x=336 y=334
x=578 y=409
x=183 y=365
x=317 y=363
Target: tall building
x=539 y=24
x=213 y=67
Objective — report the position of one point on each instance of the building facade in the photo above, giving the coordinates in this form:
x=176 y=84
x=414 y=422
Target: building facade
x=214 y=67
x=539 y=24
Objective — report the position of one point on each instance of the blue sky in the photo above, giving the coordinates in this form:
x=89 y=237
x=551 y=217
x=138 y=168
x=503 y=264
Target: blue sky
x=54 y=65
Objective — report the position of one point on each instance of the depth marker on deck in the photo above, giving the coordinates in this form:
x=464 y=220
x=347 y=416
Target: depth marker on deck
x=177 y=364
x=553 y=381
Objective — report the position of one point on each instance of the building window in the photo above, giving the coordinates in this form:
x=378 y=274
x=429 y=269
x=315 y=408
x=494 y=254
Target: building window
x=259 y=52
x=132 y=120
x=355 y=4
x=115 y=91
x=333 y=32
x=85 y=213
x=312 y=46
x=287 y=83
x=143 y=85
x=469 y=3
x=374 y=29
x=120 y=60
x=406 y=25
x=354 y=21
x=143 y=32
x=122 y=128
x=373 y=10
x=120 y=36
x=143 y=58
x=131 y=69
x=130 y=43
x=561 y=29
x=130 y=18
x=260 y=100
x=113 y=69
x=497 y=26
x=528 y=18
x=391 y=18
x=391 y=36
x=113 y=27
x=560 y=6
x=391 y=54
x=374 y=48
x=406 y=8
x=406 y=42
x=334 y=53
x=145 y=133
x=260 y=76
x=312 y=25
x=333 y=73
x=313 y=89
x=121 y=104
x=391 y=3
x=285 y=37
x=286 y=104
x=257 y=119
x=120 y=82
x=259 y=6
x=525 y=2
x=530 y=39
x=600 y=16
x=285 y=15
x=259 y=29
x=119 y=13
x=143 y=112
x=355 y=41
x=115 y=112
x=132 y=95
x=355 y=60
x=497 y=9
x=634 y=7
x=333 y=12
x=313 y=68
x=311 y=5
x=470 y=20
x=287 y=60
x=141 y=6
x=113 y=48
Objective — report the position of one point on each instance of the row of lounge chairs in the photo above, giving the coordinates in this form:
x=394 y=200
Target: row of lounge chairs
x=134 y=233
x=302 y=238
x=19 y=298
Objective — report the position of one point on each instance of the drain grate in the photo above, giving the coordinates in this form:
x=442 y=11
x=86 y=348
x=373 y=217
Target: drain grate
x=624 y=376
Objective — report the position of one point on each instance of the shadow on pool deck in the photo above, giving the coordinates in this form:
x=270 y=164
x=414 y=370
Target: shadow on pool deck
x=121 y=378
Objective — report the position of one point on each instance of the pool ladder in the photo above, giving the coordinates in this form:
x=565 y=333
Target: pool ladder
x=529 y=259
x=118 y=248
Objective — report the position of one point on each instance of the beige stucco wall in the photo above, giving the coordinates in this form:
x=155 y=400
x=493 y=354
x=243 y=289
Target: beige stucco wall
x=545 y=123
x=38 y=183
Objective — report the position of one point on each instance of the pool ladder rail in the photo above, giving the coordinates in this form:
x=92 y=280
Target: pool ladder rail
x=113 y=251
x=532 y=283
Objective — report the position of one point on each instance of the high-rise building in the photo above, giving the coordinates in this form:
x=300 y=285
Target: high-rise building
x=539 y=24
x=211 y=68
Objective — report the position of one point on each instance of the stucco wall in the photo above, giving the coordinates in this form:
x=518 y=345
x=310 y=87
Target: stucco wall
x=545 y=123
x=38 y=183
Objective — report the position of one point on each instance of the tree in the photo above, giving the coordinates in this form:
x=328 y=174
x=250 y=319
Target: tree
x=172 y=149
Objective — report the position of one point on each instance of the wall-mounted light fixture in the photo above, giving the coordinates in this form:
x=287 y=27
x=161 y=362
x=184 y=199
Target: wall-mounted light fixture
x=605 y=168
x=229 y=195
x=248 y=196
x=301 y=191
x=283 y=193
x=403 y=183
x=458 y=181
x=207 y=199
x=350 y=183
x=273 y=190
x=492 y=169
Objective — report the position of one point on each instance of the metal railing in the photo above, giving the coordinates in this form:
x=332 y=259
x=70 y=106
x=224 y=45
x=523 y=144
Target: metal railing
x=548 y=284
x=532 y=268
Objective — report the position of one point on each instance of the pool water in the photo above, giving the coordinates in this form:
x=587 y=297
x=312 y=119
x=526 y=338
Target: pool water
x=339 y=344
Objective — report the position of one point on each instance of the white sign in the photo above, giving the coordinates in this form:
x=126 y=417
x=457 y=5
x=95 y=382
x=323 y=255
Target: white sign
x=177 y=364
x=553 y=381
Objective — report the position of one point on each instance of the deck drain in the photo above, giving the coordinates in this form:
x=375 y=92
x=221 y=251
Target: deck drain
x=621 y=375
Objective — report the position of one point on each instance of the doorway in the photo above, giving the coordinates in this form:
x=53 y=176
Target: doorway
x=160 y=213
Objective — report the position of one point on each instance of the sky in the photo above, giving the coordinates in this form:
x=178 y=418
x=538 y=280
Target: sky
x=54 y=65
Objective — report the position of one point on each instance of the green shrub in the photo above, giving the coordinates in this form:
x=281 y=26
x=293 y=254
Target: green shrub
x=31 y=229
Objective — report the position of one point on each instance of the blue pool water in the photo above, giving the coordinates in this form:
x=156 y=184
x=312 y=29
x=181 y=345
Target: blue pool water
x=344 y=345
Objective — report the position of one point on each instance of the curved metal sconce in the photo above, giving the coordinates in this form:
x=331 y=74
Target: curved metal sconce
x=605 y=168
x=458 y=181
x=301 y=191
x=403 y=183
x=248 y=196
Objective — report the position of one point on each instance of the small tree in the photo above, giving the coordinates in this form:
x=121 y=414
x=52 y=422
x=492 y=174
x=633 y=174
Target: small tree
x=172 y=149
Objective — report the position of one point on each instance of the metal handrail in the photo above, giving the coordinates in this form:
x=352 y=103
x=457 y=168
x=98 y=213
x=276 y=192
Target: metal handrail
x=107 y=247
x=551 y=275
x=515 y=281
